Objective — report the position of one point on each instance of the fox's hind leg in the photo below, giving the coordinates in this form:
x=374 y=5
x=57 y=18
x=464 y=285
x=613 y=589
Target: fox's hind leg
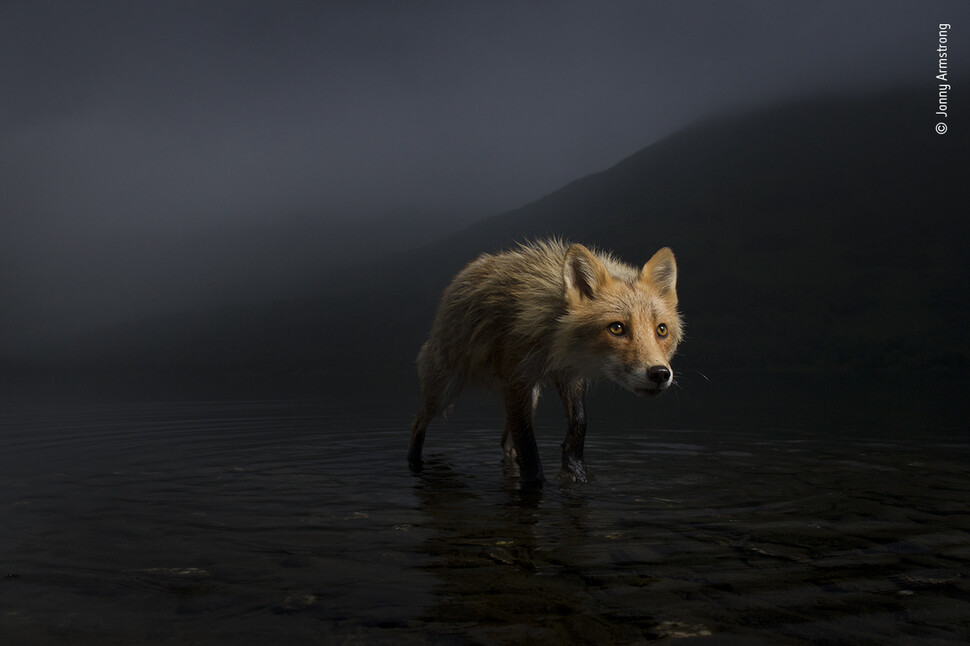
x=418 y=429
x=438 y=390
x=520 y=406
x=434 y=402
x=508 y=444
x=573 y=395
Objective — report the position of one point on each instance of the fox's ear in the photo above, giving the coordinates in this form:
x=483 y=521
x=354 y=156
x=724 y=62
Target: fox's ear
x=584 y=274
x=661 y=272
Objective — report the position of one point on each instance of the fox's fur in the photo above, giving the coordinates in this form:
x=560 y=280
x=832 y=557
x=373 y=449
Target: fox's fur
x=549 y=310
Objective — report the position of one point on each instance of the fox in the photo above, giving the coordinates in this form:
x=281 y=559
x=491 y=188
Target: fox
x=544 y=311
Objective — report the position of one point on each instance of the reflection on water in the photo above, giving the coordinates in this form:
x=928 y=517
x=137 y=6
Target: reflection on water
x=237 y=523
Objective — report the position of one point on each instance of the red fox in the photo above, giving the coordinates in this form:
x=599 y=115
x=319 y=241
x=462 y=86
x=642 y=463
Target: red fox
x=549 y=310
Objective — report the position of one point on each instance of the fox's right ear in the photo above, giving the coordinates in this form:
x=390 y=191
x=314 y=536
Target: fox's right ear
x=661 y=272
x=583 y=273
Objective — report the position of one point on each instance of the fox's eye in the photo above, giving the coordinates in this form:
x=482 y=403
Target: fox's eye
x=616 y=329
x=662 y=330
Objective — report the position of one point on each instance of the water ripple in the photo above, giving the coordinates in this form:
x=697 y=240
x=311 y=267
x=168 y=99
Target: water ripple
x=241 y=521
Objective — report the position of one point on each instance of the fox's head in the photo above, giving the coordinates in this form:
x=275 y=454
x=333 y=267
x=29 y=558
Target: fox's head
x=621 y=323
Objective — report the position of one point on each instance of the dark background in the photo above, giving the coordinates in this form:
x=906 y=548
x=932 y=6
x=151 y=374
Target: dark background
x=274 y=194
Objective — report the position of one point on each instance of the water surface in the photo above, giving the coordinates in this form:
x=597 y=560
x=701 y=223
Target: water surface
x=251 y=522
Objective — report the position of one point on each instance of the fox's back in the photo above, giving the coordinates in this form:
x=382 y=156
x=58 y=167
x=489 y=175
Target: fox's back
x=499 y=308
x=501 y=313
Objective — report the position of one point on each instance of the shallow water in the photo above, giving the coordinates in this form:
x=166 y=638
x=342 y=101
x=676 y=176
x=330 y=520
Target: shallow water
x=254 y=522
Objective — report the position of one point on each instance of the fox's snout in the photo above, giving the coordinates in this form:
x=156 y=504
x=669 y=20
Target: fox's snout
x=654 y=381
x=659 y=376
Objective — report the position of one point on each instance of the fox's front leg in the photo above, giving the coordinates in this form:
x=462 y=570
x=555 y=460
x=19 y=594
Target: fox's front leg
x=520 y=405
x=572 y=394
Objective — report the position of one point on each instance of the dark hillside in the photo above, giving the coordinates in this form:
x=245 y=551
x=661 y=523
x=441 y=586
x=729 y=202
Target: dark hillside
x=825 y=237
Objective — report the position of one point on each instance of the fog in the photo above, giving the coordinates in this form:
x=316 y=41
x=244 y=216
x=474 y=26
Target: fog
x=156 y=156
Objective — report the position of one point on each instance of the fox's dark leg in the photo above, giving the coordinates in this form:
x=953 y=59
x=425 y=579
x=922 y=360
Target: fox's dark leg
x=520 y=404
x=418 y=429
x=436 y=399
x=572 y=394
x=438 y=390
x=508 y=445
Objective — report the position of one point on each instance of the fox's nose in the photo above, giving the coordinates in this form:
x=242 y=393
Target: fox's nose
x=659 y=375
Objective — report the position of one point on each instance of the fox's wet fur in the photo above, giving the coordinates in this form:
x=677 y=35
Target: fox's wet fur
x=549 y=310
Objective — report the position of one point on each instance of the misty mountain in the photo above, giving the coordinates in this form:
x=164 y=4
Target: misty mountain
x=262 y=261
x=822 y=236
x=85 y=279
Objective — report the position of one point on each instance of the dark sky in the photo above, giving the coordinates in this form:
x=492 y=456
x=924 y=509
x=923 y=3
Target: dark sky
x=129 y=130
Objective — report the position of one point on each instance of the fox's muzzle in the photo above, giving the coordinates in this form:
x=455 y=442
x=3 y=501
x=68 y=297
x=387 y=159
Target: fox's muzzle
x=659 y=376
x=658 y=379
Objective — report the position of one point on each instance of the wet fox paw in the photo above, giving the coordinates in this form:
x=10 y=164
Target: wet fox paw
x=574 y=470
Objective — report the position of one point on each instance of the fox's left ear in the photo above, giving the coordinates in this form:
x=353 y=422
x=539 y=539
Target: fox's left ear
x=583 y=274
x=661 y=272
